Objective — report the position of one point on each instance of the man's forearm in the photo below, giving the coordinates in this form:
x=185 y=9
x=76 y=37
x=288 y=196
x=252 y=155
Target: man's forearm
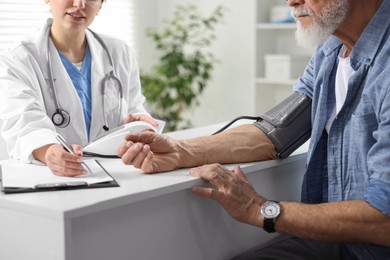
x=347 y=221
x=244 y=143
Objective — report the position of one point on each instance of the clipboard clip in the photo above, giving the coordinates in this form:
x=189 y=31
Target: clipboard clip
x=60 y=185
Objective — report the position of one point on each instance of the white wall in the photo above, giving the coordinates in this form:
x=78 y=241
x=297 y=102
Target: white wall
x=228 y=95
x=3 y=149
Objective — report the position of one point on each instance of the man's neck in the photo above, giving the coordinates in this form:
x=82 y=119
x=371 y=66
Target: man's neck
x=360 y=14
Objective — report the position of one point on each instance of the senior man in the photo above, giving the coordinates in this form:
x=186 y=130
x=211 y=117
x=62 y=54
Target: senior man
x=345 y=207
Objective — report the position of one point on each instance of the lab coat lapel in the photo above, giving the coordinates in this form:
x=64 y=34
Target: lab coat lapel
x=100 y=66
x=40 y=52
x=41 y=42
x=66 y=93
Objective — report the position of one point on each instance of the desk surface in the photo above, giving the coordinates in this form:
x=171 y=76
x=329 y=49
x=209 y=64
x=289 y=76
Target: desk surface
x=134 y=186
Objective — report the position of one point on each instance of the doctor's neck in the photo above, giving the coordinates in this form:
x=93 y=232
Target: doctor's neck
x=72 y=45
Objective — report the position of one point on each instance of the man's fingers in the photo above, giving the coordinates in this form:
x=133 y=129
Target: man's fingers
x=206 y=192
x=237 y=170
x=122 y=149
x=147 y=165
x=134 y=155
x=142 y=152
x=141 y=137
x=215 y=174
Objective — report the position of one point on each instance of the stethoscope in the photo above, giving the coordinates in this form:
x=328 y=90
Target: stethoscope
x=61 y=118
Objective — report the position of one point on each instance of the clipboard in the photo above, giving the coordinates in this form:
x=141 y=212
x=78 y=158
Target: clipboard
x=47 y=181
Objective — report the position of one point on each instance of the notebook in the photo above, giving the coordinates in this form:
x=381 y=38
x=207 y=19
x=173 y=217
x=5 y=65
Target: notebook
x=108 y=143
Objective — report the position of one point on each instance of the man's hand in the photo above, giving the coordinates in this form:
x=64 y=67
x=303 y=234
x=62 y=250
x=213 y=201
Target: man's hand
x=150 y=152
x=59 y=161
x=232 y=190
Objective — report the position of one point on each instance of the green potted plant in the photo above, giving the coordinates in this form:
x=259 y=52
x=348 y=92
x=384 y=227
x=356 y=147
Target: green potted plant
x=185 y=64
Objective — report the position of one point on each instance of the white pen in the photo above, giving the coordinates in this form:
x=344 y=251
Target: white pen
x=70 y=150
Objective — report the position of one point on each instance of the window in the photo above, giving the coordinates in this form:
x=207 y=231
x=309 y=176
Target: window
x=19 y=18
x=117 y=18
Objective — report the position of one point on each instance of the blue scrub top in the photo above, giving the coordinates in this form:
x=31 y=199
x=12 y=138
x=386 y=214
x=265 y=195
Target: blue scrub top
x=82 y=82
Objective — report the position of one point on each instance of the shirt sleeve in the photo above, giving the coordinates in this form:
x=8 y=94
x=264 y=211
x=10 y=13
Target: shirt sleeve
x=378 y=158
x=304 y=84
x=378 y=195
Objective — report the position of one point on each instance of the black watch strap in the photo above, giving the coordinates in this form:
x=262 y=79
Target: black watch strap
x=269 y=225
x=270 y=211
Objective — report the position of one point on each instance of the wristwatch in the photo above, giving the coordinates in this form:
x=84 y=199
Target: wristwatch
x=270 y=211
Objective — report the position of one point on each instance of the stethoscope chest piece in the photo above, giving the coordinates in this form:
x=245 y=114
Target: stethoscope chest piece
x=61 y=118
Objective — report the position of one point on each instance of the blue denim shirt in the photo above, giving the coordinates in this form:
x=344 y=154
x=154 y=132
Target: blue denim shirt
x=352 y=162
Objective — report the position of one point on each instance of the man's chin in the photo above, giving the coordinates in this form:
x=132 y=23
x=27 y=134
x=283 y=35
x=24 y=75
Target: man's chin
x=309 y=38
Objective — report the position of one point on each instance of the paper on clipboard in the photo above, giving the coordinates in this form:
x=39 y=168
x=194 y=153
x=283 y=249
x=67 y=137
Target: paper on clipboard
x=19 y=175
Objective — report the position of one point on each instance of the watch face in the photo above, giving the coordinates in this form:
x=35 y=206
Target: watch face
x=270 y=209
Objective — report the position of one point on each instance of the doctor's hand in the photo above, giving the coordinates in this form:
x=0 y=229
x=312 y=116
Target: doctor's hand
x=150 y=152
x=60 y=161
x=140 y=117
x=232 y=191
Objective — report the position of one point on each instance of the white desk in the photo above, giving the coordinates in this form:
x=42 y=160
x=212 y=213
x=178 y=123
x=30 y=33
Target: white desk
x=147 y=217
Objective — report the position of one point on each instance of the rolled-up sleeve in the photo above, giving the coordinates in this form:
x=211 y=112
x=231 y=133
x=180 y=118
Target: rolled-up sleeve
x=378 y=158
x=378 y=196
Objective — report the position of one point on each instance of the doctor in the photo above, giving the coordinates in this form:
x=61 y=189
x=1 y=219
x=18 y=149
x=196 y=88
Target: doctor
x=67 y=80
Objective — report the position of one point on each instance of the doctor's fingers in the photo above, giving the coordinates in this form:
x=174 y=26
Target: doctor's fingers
x=77 y=149
x=65 y=168
x=57 y=153
x=62 y=162
x=140 y=117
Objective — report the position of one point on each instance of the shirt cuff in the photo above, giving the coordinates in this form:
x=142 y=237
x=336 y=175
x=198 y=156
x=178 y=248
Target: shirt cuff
x=378 y=196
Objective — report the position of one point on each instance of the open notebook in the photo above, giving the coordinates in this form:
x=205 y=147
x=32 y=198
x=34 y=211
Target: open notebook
x=19 y=177
x=108 y=143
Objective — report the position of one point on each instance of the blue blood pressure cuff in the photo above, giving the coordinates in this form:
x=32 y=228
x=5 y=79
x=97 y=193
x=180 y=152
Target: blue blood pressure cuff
x=288 y=124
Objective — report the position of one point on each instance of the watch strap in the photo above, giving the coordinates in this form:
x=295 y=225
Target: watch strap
x=268 y=221
x=269 y=225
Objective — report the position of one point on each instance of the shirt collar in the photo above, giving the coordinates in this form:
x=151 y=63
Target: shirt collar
x=373 y=37
x=369 y=42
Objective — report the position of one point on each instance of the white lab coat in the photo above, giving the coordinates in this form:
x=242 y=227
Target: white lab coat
x=27 y=102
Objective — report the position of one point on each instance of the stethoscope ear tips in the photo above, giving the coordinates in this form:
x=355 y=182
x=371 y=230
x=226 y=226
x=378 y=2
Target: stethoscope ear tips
x=61 y=118
x=105 y=127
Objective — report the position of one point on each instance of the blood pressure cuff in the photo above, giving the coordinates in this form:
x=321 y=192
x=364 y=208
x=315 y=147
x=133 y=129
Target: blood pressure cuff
x=288 y=124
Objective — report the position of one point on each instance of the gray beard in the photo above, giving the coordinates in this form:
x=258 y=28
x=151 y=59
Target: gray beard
x=323 y=25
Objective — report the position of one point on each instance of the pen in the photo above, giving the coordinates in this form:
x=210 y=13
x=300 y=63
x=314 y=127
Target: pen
x=70 y=150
